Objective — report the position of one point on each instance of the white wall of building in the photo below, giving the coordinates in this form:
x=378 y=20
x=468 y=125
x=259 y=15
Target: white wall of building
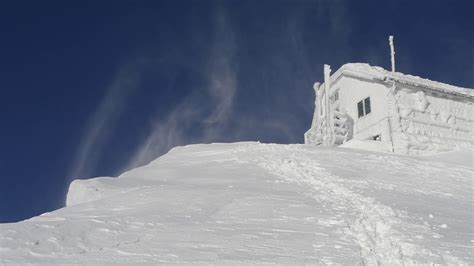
x=351 y=91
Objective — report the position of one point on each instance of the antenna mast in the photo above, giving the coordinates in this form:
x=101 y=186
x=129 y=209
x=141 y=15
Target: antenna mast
x=329 y=134
x=392 y=52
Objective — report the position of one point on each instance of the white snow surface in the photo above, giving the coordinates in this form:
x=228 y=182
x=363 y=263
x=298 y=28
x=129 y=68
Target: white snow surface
x=252 y=203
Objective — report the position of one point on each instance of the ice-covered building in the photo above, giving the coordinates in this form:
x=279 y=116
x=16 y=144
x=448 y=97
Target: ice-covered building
x=405 y=114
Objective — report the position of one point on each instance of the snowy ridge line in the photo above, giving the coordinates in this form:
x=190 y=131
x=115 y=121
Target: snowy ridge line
x=374 y=230
x=252 y=203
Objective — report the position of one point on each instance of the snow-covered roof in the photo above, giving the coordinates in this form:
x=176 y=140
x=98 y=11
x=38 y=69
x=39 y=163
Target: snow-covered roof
x=374 y=72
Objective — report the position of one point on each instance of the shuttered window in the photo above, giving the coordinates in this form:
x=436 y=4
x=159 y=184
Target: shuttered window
x=363 y=107
x=367 y=105
x=360 y=108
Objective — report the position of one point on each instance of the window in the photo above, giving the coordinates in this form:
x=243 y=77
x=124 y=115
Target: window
x=335 y=97
x=360 y=108
x=377 y=137
x=363 y=107
x=367 y=105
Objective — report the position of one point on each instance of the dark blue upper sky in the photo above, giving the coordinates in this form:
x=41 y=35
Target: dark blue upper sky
x=91 y=88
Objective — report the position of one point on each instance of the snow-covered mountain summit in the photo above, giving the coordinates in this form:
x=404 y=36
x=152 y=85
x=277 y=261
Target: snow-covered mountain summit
x=251 y=202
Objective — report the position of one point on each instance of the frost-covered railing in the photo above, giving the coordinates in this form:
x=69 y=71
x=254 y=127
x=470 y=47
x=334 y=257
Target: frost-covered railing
x=342 y=130
x=342 y=127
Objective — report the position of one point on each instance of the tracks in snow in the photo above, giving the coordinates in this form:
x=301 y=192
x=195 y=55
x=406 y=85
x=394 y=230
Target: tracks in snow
x=376 y=227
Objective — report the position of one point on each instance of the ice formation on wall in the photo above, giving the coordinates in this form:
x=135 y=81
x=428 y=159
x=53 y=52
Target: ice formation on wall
x=434 y=122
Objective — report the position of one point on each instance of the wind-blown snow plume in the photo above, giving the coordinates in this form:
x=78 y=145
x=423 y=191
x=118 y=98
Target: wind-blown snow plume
x=209 y=113
x=175 y=128
x=222 y=75
x=102 y=122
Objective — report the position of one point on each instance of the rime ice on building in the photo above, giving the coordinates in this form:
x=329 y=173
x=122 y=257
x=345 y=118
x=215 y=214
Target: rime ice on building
x=406 y=114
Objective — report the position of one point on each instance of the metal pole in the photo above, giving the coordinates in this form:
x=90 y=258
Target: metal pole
x=327 y=94
x=392 y=52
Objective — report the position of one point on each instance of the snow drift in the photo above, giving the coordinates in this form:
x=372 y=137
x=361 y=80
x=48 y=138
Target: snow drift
x=252 y=202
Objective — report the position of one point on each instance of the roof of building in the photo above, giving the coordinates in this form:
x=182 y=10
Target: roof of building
x=374 y=72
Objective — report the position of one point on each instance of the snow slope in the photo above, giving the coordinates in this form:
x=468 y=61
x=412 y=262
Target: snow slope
x=253 y=203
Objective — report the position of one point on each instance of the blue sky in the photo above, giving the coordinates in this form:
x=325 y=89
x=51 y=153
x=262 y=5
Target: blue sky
x=92 y=88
